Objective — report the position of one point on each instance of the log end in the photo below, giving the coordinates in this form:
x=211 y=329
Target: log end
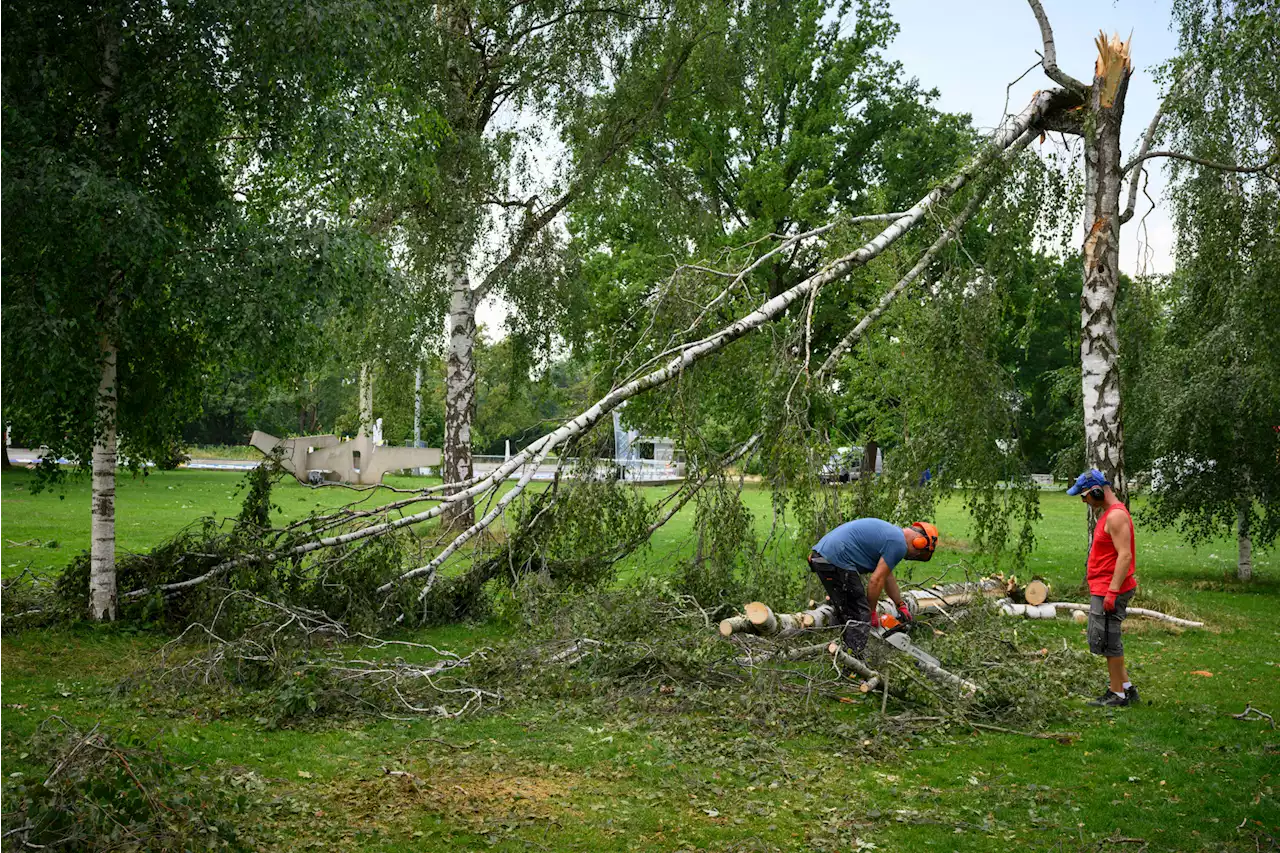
x=726 y=628
x=1036 y=592
x=757 y=613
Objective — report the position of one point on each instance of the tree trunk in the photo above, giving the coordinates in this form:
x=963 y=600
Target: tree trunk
x=1099 y=342
x=366 y=399
x=102 y=558
x=1244 y=562
x=869 y=454
x=417 y=407
x=459 y=395
x=4 y=443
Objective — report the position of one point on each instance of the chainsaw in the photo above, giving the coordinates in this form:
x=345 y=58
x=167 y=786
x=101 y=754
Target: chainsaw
x=894 y=632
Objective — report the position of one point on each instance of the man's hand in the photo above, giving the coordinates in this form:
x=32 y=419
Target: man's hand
x=905 y=612
x=1109 y=603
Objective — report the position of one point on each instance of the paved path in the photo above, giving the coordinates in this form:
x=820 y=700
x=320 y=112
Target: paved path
x=23 y=456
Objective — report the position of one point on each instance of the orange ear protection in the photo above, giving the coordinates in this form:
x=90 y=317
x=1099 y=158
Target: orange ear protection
x=928 y=538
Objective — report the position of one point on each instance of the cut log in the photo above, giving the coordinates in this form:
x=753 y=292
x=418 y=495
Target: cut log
x=1037 y=591
x=818 y=617
x=947 y=595
x=848 y=661
x=734 y=625
x=1030 y=611
x=1134 y=611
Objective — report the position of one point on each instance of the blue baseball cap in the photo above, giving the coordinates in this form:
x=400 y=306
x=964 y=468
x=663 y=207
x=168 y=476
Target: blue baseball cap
x=1087 y=480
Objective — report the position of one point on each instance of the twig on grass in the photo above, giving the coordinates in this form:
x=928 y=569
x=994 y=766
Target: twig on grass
x=1249 y=711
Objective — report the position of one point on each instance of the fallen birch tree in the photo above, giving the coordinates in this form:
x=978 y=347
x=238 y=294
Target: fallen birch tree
x=1014 y=134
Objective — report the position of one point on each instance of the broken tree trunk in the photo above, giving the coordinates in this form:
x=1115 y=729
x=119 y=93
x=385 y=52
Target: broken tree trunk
x=1098 y=121
x=1099 y=339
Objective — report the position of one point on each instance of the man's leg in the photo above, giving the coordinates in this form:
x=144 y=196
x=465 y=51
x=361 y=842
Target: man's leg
x=858 y=622
x=1117 y=673
x=850 y=603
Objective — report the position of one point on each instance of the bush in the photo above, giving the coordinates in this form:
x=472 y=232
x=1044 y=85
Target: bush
x=111 y=790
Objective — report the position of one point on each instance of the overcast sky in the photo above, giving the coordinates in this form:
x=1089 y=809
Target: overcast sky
x=970 y=50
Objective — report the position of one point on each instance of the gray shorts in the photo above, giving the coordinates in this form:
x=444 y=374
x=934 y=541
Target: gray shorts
x=1104 y=628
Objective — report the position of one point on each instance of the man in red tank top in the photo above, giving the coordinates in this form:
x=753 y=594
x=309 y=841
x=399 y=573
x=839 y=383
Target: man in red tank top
x=1112 y=583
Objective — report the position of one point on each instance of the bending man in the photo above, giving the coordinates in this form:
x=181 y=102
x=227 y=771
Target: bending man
x=867 y=546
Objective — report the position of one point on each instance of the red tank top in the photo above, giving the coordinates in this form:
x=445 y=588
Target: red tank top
x=1102 y=556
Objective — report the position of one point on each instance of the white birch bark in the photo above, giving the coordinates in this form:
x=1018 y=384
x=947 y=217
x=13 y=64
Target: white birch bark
x=417 y=407
x=102 y=550
x=459 y=393
x=1099 y=341
x=1244 y=559
x=366 y=400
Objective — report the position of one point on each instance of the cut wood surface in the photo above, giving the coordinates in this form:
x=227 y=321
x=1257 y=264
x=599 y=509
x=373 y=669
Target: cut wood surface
x=1036 y=591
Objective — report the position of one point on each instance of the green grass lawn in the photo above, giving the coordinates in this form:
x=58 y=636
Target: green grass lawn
x=1178 y=773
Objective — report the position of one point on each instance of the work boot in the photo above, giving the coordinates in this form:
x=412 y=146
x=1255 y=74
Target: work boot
x=1132 y=695
x=1110 y=700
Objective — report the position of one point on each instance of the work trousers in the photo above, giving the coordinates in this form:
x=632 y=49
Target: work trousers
x=847 y=595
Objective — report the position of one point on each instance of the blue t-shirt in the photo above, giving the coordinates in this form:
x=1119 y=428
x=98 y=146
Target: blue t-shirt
x=859 y=545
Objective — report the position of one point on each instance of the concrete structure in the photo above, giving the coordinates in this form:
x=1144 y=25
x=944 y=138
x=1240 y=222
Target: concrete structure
x=316 y=458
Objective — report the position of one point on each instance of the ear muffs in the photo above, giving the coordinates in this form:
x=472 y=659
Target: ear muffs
x=1096 y=493
x=927 y=541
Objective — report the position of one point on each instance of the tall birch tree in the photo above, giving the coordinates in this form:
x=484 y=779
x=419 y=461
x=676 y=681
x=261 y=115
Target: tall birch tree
x=131 y=259
x=514 y=80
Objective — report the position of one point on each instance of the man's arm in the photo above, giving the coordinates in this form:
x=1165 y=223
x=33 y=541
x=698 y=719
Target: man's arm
x=1118 y=527
x=881 y=579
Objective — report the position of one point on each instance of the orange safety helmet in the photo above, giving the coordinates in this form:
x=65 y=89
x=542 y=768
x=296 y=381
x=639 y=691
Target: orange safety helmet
x=927 y=541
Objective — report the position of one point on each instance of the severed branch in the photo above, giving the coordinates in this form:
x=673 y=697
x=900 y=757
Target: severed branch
x=1050 y=56
x=950 y=234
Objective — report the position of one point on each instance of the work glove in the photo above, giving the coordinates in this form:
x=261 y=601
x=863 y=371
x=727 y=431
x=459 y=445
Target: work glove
x=1109 y=603
x=875 y=619
x=905 y=612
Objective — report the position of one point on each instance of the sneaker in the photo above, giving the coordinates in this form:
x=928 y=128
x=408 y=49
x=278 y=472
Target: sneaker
x=1132 y=695
x=1110 y=700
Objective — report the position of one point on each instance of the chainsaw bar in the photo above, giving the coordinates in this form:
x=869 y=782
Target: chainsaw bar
x=902 y=643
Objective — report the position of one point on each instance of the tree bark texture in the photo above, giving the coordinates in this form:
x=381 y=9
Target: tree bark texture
x=366 y=399
x=1244 y=560
x=102 y=553
x=459 y=395
x=1099 y=342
